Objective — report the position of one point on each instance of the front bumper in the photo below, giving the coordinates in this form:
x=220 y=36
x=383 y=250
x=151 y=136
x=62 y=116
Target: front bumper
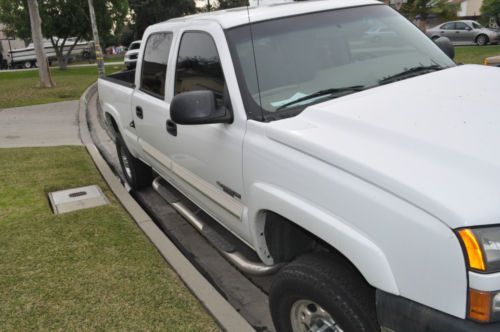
x=398 y=314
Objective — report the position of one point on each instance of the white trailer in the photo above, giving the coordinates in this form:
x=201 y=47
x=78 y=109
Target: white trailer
x=26 y=57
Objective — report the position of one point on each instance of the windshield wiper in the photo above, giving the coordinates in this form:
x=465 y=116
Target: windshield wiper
x=334 y=92
x=410 y=72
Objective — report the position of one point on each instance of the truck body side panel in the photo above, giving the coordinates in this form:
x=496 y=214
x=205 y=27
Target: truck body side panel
x=395 y=245
x=116 y=100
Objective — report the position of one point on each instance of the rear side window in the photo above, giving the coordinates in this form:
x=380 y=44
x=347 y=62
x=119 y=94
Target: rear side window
x=460 y=26
x=154 y=64
x=198 y=65
x=448 y=26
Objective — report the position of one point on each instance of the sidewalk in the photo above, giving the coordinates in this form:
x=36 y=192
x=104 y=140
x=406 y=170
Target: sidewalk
x=40 y=125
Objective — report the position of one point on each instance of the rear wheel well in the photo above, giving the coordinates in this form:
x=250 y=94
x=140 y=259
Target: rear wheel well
x=112 y=126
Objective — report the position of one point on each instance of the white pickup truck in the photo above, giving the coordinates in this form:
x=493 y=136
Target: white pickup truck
x=362 y=169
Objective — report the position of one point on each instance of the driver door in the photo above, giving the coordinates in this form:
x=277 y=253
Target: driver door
x=206 y=159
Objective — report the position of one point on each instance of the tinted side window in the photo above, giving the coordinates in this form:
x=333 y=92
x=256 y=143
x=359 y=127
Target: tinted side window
x=460 y=26
x=154 y=64
x=198 y=65
x=448 y=26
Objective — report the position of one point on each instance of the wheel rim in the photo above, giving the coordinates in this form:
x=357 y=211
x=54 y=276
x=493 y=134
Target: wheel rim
x=27 y=64
x=308 y=316
x=481 y=40
x=126 y=164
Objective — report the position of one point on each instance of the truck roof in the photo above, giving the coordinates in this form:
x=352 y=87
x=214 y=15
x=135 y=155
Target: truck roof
x=239 y=16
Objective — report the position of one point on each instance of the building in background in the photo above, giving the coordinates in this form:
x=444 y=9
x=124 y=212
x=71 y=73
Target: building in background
x=470 y=9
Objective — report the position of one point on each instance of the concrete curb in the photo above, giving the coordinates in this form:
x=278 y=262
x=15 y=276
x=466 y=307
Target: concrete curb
x=227 y=317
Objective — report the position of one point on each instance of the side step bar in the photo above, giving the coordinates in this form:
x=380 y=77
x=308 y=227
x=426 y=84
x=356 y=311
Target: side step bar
x=224 y=246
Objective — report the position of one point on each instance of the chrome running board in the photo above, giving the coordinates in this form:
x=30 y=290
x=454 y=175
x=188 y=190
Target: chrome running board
x=218 y=240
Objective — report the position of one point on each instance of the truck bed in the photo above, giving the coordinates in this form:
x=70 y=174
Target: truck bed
x=115 y=95
x=125 y=78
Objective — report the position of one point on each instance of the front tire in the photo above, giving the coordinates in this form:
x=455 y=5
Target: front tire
x=319 y=292
x=137 y=174
x=482 y=40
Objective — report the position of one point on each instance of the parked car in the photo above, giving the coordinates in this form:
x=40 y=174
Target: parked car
x=381 y=34
x=364 y=177
x=464 y=32
x=130 y=58
x=492 y=61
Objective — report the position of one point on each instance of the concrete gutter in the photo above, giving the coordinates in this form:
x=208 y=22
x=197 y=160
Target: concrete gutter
x=227 y=317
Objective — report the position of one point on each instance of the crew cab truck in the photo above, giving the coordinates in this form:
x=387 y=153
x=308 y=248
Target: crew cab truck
x=365 y=176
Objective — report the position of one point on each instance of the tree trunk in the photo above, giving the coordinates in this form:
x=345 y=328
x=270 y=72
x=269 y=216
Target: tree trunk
x=98 y=50
x=62 y=60
x=71 y=48
x=36 y=34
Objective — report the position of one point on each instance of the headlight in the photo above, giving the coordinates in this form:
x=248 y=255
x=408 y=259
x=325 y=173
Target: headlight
x=482 y=246
x=482 y=251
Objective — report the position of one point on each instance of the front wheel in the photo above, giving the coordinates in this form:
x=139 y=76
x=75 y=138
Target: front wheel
x=482 y=40
x=137 y=174
x=318 y=292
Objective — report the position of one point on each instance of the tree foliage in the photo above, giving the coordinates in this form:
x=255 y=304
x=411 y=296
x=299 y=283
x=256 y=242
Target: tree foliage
x=147 y=12
x=491 y=8
x=225 y=4
x=423 y=9
x=62 y=19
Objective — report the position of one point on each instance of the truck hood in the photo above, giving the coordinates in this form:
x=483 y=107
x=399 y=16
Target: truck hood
x=433 y=140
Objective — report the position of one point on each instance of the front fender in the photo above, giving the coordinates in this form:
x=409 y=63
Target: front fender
x=362 y=252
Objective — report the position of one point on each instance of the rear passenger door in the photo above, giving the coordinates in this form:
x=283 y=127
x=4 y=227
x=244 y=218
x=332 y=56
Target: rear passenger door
x=149 y=108
x=448 y=30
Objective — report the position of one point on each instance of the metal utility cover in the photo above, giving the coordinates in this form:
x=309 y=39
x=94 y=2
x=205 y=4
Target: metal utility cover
x=77 y=199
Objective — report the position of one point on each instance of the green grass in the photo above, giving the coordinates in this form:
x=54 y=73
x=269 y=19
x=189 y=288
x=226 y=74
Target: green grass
x=114 y=58
x=87 y=270
x=20 y=88
x=475 y=54
x=107 y=58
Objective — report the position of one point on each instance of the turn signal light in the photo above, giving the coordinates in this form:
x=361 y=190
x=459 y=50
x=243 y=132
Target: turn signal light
x=473 y=249
x=479 y=305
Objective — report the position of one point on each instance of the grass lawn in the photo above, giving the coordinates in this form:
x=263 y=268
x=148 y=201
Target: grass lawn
x=20 y=88
x=107 y=58
x=114 y=58
x=87 y=270
x=475 y=54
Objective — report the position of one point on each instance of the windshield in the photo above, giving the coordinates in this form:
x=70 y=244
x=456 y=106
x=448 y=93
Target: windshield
x=297 y=57
x=477 y=25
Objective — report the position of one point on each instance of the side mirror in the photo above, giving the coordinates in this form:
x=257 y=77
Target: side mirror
x=198 y=107
x=446 y=46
